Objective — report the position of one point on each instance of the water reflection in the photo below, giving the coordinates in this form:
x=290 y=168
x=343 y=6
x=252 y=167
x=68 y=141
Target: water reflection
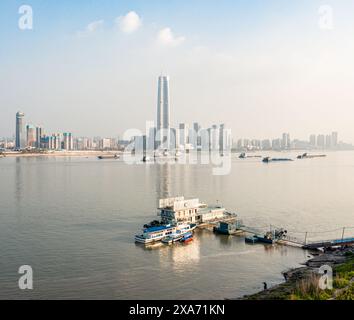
x=180 y=256
x=18 y=181
x=163 y=181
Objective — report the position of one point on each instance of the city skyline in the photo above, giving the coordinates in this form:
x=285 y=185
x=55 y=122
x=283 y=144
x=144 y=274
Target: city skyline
x=185 y=136
x=242 y=67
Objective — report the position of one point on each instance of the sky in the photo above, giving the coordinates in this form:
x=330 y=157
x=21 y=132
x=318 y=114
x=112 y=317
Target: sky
x=260 y=67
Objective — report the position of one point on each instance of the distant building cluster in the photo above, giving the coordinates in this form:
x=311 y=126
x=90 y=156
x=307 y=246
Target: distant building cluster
x=30 y=137
x=184 y=137
x=321 y=142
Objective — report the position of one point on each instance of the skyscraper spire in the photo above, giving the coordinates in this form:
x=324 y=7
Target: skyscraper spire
x=163 y=112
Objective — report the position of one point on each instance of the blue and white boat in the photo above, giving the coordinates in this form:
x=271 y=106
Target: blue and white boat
x=172 y=238
x=188 y=236
x=155 y=234
x=182 y=230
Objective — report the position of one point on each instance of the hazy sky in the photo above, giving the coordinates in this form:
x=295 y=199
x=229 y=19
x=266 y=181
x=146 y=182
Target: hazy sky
x=261 y=67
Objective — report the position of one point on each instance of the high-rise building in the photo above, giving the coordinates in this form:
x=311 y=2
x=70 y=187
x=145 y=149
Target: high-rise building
x=20 y=132
x=313 y=140
x=183 y=134
x=266 y=144
x=31 y=136
x=225 y=140
x=328 y=141
x=321 y=141
x=276 y=144
x=205 y=139
x=39 y=134
x=285 y=142
x=163 y=112
x=151 y=139
x=194 y=136
x=67 y=141
x=214 y=132
x=140 y=144
x=334 y=139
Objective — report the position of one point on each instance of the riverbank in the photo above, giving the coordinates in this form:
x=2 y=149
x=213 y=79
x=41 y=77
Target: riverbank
x=59 y=154
x=303 y=283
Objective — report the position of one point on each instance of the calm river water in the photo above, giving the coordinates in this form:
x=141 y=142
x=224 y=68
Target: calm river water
x=74 y=219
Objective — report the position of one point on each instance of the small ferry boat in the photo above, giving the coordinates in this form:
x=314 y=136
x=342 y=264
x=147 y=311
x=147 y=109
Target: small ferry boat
x=158 y=233
x=172 y=238
x=154 y=234
x=187 y=237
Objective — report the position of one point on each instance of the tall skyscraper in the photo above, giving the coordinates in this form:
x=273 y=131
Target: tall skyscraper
x=20 y=132
x=313 y=140
x=163 y=112
x=68 y=141
x=194 y=135
x=39 y=134
x=31 y=136
x=214 y=132
x=334 y=139
x=183 y=135
x=321 y=141
x=286 y=143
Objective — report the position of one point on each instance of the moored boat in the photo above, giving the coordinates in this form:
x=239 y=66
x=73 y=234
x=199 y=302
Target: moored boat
x=187 y=237
x=172 y=238
x=164 y=232
x=154 y=234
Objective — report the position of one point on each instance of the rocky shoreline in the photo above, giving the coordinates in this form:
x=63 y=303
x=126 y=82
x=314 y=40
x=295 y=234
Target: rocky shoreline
x=294 y=278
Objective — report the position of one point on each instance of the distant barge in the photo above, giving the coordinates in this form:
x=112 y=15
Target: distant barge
x=269 y=159
x=244 y=156
x=308 y=156
x=108 y=156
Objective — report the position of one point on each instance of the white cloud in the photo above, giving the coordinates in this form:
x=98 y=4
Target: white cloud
x=167 y=38
x=91 y=28
x=129 y=23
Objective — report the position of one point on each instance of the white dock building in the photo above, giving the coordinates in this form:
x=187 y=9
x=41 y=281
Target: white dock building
x=177 y=210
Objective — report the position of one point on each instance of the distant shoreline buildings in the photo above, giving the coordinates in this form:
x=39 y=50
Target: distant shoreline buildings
x=315 y=142
x=163 y=137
